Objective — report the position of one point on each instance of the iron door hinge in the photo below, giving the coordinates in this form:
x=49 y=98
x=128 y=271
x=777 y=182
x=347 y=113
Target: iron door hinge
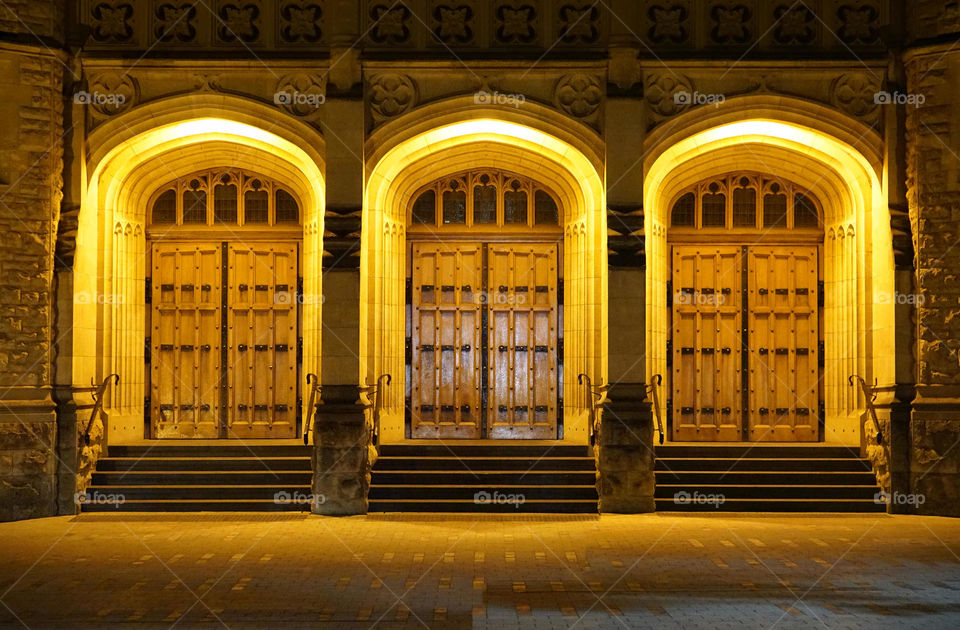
x=821 y=300
x=147 y=349
x=148 y=291
x=669 y=294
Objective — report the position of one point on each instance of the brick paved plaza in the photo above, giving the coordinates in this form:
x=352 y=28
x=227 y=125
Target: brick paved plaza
x=292 y=571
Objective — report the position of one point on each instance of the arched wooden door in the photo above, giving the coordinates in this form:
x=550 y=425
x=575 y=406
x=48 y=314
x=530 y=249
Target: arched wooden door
x=745 y=300
x=484 y=309
x=223 y=311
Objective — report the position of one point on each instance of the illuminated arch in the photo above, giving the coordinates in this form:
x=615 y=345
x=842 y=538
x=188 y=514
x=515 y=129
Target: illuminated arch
x=407 y=155
x=839 y=160
x=128 y=156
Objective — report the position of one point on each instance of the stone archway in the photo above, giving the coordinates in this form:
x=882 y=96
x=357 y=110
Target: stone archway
x=406 y=155
x=128 y=156
x=839 y=161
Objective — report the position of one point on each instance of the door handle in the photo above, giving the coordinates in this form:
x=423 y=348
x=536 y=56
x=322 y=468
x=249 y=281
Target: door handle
x=446 y=348
x=782 y=351
x=541 y=349
x=725 y=411
x=260 y=407
x=542 y=288
x=706 y=410
x=204 y=407
x=725 y=350
x=447 y=287
x=167 y=287
x=281 y=408
x=281 y=347
x=782 y=411
x=166 y=347
x=503 y=288
x=446 y=407
x=803 y=351
x=426 y=347
x=186 y=287
x=186 y=347
x=465 y=348
x=541 y=409
x=261 y=347
x=706 y=350
x=205 y=347
x=686 y=350
x=686 y=411
x=763 y=351
x=520 y=348
x=243 y=287
x=426 y=408
x=242 y=408
x=261 y=287
x=502 y=409
x=464 y=408
x=763 y=411
x=186 y=407
x=803 y=411
x=242 y=347
x=521 y=289
x=502 y=348
x=522 y=408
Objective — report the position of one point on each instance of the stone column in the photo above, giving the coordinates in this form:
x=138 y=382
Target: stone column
x=933 y=170
x=342 y=452
x=31 y=79
x=625 y=448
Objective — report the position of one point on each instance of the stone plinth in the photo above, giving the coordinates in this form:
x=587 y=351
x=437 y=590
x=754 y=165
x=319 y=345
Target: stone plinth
x=625 y=452
x=342 y=453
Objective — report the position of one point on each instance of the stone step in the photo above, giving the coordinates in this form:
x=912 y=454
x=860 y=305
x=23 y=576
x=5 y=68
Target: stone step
x=204 y=478
x=528 y=507
x=848 y=464
x=198 y=464
x=669 y=491
x=491 y=479
x=765 y=478
x=774 y=505
x=480 y=493
x=387 y=463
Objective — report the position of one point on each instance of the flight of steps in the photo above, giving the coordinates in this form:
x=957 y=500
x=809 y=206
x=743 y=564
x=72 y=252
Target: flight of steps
x=183 y=477
x=757 y=478
x=484 y=478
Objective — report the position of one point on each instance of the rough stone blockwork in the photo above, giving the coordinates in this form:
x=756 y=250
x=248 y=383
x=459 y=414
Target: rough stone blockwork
x=342 y=456
x=31 y=165
x=625 y=478
x=933 y=136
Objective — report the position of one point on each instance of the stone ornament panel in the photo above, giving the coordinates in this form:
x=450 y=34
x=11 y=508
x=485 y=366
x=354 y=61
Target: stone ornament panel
x=391 y=94
x=182 y=24
x=668 y=27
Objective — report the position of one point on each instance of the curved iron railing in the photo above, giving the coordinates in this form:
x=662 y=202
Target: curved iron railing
x=374 y=395
x=600 y=394
x=314 y=385
x=653 y=388
x=870 y=395
x=97 y=395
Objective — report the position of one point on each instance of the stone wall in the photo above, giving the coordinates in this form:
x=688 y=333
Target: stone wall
x=31 y=79
x=30 y=184
x=933 y=141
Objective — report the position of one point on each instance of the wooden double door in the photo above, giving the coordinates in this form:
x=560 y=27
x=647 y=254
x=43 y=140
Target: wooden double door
x=745 y=343
x=484 y=340
x=223 y=340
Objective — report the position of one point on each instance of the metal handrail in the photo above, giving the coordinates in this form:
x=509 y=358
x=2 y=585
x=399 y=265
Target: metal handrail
x=314 y=384
x=600 y=392
x=375 y=399
x=653 y=388
x=97 y=395
x=870 y=396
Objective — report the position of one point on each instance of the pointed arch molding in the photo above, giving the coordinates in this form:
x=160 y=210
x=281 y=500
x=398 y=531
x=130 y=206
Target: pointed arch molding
x=416 y=149
x=128 y=156
x=839 y=161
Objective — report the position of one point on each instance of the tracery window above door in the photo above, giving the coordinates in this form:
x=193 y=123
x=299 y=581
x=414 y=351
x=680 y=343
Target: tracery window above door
x=746 y=201
x=224 y=197
x=484 y=199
